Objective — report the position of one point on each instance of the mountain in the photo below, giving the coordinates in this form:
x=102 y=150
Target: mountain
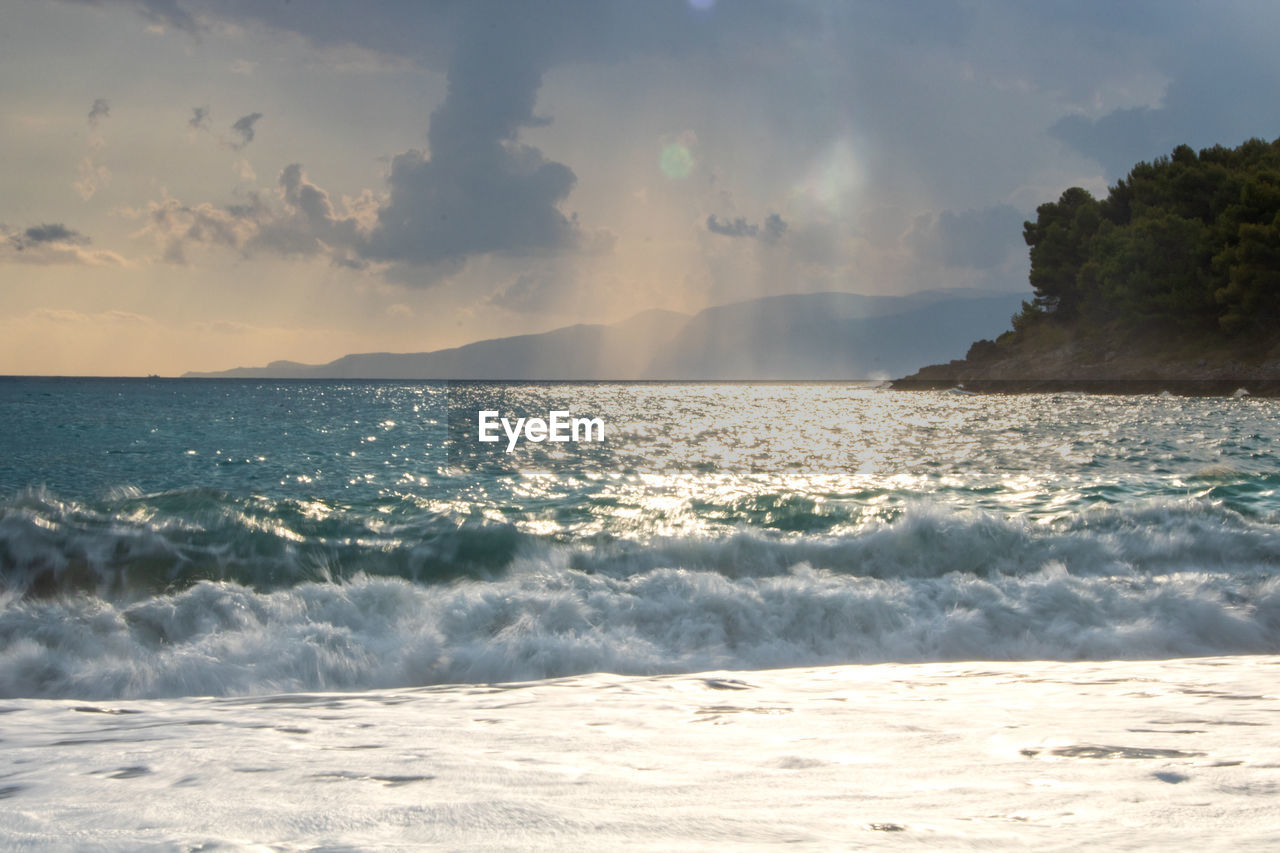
x=830 y=335
x=798 y=336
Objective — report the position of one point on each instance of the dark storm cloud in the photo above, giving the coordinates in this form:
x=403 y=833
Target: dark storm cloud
x=1119 y=139
x=243 y=128
x=560 y=31
x=490 y=200
x=731 y=228
x=100 y=110
x=972 y=101
x=976 y=239
x=480 y=190
x=51 y=243
x=1124 y=137
x=771 y=231
x=1222 y=75
x=53 y=232
x=477 y=188
x=967 y=105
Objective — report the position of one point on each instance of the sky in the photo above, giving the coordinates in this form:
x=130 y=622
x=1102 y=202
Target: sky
x=191 y=185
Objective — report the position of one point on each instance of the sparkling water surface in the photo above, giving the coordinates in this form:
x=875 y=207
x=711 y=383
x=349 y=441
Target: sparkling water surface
x=169 y=537
x=679 y=457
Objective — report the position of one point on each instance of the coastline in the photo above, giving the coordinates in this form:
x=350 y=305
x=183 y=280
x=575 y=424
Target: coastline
x=1069 y=360
x=1127 y=387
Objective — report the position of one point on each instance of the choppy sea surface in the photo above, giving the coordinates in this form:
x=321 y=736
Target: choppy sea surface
x=322 y=615
x=169 y=538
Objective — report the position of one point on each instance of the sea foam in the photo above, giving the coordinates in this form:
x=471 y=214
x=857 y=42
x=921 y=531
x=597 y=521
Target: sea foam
x=1153 y=581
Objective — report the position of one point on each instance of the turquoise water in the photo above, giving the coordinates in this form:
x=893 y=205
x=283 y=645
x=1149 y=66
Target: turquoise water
x=168 y=537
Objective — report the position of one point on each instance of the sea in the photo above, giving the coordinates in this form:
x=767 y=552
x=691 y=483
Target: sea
x=288 y=615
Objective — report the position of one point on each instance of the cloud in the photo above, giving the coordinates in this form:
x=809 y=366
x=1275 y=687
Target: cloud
x=771 y=231
x=199 y=118
x=92 y=175
x=1221 y=72
x=864 y=115
x=300 y=221
x=974 y=239
x=243 y=128
x=308 y=225
x=529 y=293
x=100 y=110
x=1119 y=139
x=480 y=190
x=54 y=232
x=737 y=228
x=161 y=13
x=176 y=226
x=164 y=12
x=52 y=243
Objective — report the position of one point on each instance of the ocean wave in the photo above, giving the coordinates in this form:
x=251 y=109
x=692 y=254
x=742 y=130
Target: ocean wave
x=1158 y=580
x=225 y=639
x=133 y=545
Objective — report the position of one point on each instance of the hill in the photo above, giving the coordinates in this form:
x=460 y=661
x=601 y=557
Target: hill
x=1175 y=275
x=803 y=336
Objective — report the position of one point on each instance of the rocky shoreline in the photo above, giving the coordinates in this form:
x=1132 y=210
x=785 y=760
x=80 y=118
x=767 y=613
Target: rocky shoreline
x=1177 y=387
x=1101 y=366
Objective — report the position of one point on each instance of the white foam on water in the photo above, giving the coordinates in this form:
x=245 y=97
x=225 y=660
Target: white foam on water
x=1173 y=754
x=881 y=600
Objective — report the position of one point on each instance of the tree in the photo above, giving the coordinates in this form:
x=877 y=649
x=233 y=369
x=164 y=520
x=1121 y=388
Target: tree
x=1251 y=298
x=1185 y=242
x=1156 y=270
x=1059 y=243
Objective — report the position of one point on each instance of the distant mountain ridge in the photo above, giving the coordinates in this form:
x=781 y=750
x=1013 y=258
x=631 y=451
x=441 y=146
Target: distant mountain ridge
x=789 y=337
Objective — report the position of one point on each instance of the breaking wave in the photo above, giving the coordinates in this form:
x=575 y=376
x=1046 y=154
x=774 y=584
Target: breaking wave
x=198 y=593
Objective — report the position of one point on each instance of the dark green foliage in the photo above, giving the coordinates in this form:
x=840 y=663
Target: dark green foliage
x=1250 y=300
x=1059 y=240
x=1190 y=242
x=1155 y=270
x=982 y=350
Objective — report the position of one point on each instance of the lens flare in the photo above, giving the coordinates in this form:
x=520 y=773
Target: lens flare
x=676 y=160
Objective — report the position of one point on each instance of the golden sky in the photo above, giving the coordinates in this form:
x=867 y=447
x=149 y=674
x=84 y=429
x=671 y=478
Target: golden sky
x=197 y=185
